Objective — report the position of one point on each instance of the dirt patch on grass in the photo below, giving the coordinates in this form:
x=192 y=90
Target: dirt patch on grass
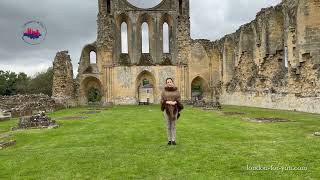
x=97 y=109
x=71 y=118
x=89 y=112
x=232 y=113
x=267 y=120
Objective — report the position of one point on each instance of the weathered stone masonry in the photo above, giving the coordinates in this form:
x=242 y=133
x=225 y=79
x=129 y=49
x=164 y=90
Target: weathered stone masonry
x=288 y=31
x=63 y=88
x=273 y=61
x=25 y=105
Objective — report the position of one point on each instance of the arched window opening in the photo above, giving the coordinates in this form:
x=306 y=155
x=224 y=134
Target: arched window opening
x=180 y=6
x=286 y=57
x=166 y=38
x=124 y=38
x=108 y=6
x=93 y=57
x=198 y=89
x=145 y=37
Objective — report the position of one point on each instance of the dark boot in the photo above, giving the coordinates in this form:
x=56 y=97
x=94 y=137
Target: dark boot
x=169 y=143
x=173 y=143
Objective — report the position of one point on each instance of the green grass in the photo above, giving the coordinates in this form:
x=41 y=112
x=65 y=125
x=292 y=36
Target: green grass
x=129 y=142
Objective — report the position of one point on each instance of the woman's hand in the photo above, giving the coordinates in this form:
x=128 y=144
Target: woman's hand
x=171 y=102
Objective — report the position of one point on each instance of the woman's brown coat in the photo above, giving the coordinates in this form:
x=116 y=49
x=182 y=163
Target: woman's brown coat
x=171 y=93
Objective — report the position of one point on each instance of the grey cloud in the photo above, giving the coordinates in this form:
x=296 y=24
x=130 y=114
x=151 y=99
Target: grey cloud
x=144 y=4
x=214 y=19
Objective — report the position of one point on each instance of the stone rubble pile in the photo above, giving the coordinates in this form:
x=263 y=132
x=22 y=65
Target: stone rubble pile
x=187 y=102
x=200 y=103
x=39 y=120
x=211 y=105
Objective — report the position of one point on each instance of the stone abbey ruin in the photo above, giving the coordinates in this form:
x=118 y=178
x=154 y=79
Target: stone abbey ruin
x=271 y=62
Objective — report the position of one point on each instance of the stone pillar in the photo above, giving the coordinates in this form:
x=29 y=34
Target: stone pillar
x=183 y=33
x=153 y=36
x=158 y=40
x=187 y=87
x=109 y=83
x=228 y=60
x=183 y=39
x=211 y=78
x=134 y=43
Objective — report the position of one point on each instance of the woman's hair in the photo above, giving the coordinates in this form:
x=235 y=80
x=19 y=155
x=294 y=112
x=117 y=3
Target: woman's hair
x=168 y=79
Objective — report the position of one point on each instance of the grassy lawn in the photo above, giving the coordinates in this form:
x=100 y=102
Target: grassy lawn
x=129 y=142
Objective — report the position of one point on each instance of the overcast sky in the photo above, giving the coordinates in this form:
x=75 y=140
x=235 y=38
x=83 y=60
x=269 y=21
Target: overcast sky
x=72 y=23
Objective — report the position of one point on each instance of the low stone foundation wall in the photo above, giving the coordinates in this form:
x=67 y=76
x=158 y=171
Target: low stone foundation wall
x=25 y=105
x=273 y=101
x=125 y=101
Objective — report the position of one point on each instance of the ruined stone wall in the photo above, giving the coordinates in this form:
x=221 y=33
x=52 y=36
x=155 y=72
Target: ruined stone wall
x=276 y=62
x=63 y=82
x=305 y=69
x=105 y=37
x=183 y=38
x=229 y=55
x=199 y=65
x=23 y=105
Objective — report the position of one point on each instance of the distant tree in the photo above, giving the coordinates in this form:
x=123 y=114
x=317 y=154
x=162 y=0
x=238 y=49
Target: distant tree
x=12 y=83
x=94 y=95
x=7 y=83
x=42 y=83
x=22 y=83
x=2 y=82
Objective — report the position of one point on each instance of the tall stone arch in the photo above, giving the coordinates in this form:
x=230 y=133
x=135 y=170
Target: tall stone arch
x=146 y=90
x=199 y=89
x=87 y=84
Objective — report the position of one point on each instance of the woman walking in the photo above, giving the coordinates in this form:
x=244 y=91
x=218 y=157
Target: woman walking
x=171 y=106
